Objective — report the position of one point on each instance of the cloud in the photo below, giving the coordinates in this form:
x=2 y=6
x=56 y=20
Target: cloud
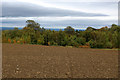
x=69 y=0
x=57 y=22
x=55 y=14
x=23 y=9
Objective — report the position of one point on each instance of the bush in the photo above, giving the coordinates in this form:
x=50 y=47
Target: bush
x=91 y=43
x=53 y=43
x=109 y=45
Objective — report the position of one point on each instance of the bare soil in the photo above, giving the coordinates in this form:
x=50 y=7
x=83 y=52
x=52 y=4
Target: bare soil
x=36 y=61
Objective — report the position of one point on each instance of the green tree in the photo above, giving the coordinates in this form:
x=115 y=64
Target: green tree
x=33 y=24
x=69 y=30
x=90 y=29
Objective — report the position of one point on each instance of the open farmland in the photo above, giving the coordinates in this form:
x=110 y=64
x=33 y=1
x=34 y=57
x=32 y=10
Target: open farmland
x=36 y=61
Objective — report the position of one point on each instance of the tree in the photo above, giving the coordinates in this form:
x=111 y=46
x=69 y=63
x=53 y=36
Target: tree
x=104 y=28
x=96 y=38
x=33 y=24
x=115 y=39
x=114 y=27
x=16 y=28
x=61 y=36
x=69 y=30
x=40 y=40
x=90 y=29
x=87 y=35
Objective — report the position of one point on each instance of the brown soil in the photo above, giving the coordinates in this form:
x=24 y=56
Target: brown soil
x=36 y=61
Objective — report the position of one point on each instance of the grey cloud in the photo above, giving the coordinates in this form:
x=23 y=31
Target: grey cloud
x=64 y=23
x=15 y=9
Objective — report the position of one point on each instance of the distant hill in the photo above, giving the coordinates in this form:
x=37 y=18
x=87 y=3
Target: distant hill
x=11 y=28
x=8 y=28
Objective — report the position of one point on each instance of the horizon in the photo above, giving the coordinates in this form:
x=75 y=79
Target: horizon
x=54 y=28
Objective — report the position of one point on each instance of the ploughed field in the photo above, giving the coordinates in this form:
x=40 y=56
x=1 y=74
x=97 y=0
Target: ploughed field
x=36 y=61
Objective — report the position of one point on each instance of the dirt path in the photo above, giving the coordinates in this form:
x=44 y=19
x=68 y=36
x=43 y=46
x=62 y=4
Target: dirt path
x=35 y=61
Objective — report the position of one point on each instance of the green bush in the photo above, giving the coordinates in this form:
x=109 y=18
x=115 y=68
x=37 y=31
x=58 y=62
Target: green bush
x=108 y=45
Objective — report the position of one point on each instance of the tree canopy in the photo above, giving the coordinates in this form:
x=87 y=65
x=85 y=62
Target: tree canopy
x=95 y=38
x=32 y=24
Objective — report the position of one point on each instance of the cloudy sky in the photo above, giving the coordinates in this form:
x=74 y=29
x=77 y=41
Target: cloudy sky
x=59 y=14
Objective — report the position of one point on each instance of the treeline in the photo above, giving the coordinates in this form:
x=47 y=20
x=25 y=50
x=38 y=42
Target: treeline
x=32 y=33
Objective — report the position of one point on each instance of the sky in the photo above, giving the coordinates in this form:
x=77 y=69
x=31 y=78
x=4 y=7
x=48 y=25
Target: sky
x=60 y=13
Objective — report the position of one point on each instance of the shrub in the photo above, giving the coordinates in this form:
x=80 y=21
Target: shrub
x=109 y=45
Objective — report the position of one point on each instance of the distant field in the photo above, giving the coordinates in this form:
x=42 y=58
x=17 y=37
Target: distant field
x=36 y=61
